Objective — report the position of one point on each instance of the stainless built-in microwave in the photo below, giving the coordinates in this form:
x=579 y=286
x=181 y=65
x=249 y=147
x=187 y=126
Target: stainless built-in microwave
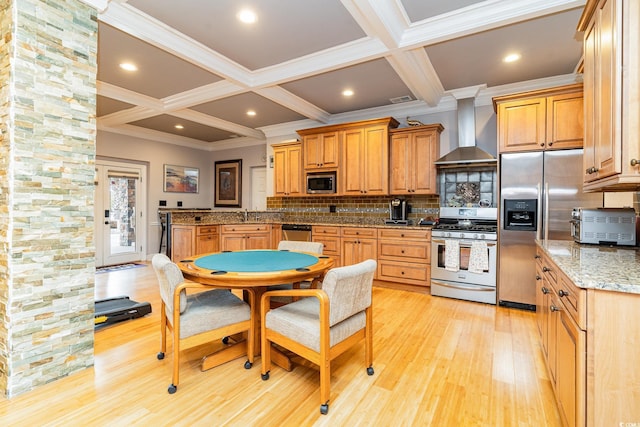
x=321 y=183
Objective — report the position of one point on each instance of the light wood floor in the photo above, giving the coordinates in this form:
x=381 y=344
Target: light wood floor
x=438 y=362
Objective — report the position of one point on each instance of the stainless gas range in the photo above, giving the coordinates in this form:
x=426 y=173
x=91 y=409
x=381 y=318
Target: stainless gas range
x=464 y=254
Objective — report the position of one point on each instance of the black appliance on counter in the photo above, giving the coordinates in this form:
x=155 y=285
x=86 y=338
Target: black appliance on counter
x=398 y=212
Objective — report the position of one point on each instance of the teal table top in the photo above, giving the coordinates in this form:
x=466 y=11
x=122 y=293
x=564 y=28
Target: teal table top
x=255 y=261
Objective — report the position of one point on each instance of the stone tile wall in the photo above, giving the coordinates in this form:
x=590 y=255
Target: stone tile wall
x=48 y=71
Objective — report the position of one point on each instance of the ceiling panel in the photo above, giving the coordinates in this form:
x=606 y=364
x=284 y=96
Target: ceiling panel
x=286 y=29
x=374 y=83
x=159 y=74
x=417 y=10
x=234 y=109
x=166 y=123
x=107 y=106
x=548 y=46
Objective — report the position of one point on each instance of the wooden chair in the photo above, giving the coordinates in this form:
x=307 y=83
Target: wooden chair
x=325 y=324
x=294 y=246
x=198 y=317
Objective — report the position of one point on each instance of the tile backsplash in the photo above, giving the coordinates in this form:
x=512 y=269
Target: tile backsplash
x=357 y=210
x=468 y=187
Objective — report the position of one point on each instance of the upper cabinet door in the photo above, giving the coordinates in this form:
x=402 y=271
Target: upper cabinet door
x=521 y=125
x=321 y=151
x=547 y=119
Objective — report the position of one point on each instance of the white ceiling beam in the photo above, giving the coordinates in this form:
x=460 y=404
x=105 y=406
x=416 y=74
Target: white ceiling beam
x=294 y=103
x=127 y=116
x=202 y=94
x=153 y=135
x=124 y=95
x=320 y=62
x=480 y=17
x=384 y=20
x=417 y=72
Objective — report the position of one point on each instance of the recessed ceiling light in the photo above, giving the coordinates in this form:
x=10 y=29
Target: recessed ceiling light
x=128 y=66
x=251 y=113
x=347 y=92
x=247 y=16
x=512 y=57
x=179 y=127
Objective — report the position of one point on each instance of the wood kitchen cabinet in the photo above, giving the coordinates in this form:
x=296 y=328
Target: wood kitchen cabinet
x=412 y=152
x=358 y=244
x=329 y=236
x=611 y=92
x=404 y=256
x=321 y=150
x=549 y=119
x=189 y=240
x=288 y=170
x=239 y=237
x=365 y=156
x=561 y=318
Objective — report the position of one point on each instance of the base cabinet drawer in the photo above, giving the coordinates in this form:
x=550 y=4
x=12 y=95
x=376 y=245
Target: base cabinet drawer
x=404 y=272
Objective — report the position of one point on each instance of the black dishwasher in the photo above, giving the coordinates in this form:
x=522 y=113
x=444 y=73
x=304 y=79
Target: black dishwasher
x=296 y=232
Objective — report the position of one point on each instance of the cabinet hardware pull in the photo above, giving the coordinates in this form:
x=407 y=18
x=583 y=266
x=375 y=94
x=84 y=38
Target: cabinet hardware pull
x=545 y=269
x=539 y=278
x=550 y=144
x=545 y=290
x=635 y=162
x=554 y=308
x=542 y=144
x=562 y=293
x=537 y=257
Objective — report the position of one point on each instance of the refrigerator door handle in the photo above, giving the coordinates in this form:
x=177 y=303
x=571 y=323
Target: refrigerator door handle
x=539 y=212
x=545 y=219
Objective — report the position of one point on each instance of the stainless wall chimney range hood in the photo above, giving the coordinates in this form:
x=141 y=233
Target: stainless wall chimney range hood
x=467 y=154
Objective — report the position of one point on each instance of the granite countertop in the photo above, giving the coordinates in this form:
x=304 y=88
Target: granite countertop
x=221 y=217
x=597 y=267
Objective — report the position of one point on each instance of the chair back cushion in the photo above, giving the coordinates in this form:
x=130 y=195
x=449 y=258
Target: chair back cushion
x=292 y=245
x=349 y=289
x=169 y=277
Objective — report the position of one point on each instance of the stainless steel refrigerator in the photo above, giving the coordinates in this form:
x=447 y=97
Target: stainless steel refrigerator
x=538 y=190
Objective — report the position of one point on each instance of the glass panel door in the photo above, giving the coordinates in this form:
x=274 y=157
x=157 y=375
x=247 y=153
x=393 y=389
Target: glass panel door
x=119 y=221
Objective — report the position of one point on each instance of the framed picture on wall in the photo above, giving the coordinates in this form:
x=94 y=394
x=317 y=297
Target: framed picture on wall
x=228 y=185
x=181 y=179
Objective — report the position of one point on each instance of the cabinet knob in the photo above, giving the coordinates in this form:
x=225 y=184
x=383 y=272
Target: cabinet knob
x=545 y=290
x=542 y=144
x=550 y=144
x=554 y=308
x=545 y=269
x=537 y=257
x=539 y=278
x=562 y=293
x=635 y=162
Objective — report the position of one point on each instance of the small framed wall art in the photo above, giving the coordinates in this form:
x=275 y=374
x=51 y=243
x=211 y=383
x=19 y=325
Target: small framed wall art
x=181 y=179
x=228 y=185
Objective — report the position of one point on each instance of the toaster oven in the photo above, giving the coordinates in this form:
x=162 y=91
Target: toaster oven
x=604 y=226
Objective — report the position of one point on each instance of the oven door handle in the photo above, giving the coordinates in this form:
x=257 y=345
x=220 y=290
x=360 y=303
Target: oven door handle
x=462 y=242
x=464 y=287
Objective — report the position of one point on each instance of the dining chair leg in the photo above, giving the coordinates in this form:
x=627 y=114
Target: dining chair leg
x=325 y=385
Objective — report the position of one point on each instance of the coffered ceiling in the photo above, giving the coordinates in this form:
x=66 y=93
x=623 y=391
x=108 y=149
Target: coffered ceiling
x=200 y=67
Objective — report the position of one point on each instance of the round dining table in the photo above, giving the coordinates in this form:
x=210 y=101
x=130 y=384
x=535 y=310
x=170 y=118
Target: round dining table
x=254 y=270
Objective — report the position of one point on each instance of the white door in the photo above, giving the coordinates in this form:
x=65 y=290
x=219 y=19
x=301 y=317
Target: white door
x=259 y=188
x=119 y=213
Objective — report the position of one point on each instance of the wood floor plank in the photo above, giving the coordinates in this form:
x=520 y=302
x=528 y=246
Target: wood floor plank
x=437 y=361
